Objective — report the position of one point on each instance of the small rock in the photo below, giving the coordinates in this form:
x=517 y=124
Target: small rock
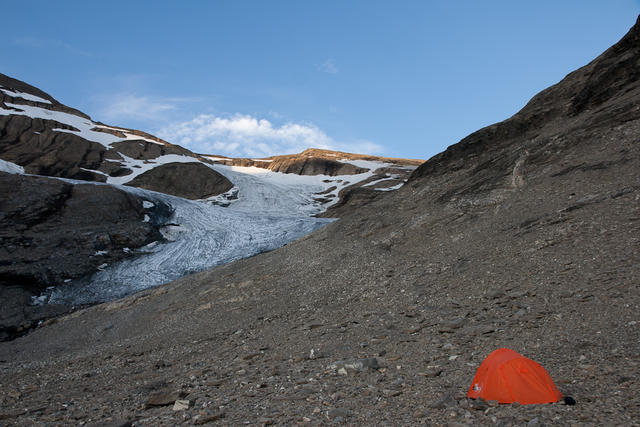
x=334 y=413
x=165 y=398
x=181 y=405
x=493 y=403
x=495 y=293
x=534 y=422
x=208 y=418
x=251 y=356
x=431 y=372
x=420 y=413
x=112 y=423
x=478 y=404
x=364 y=364
x=342 y=371
x=443 y=402
x=214 y=383
x=315 y=354
x=451 y=325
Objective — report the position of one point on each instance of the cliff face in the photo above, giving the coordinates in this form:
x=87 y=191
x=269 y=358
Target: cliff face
x=52 y=231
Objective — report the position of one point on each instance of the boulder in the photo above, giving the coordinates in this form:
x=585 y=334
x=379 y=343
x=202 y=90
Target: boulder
x=188 y=180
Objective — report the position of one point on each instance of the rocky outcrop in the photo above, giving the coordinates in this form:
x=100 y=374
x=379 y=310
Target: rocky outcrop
x=350 y=200
x=52 y=231
x=188 y=180
x=43 y=136
x=33 y=144
x=313 y=166
x=314 y=161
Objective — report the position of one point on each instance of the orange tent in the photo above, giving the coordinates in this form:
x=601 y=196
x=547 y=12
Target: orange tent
x=508 y=377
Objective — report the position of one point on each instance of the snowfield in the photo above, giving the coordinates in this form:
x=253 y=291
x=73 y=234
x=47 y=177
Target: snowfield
x=262 y=190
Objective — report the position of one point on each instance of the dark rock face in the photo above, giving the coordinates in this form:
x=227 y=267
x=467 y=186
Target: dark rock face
x=19 y=86
x=313 y=166
x=188 y=180
x=51 y=231
x=351 y=199
x=33 y=144
x=146 y=150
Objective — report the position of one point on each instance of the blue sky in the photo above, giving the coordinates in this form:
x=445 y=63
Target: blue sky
x=256 y=78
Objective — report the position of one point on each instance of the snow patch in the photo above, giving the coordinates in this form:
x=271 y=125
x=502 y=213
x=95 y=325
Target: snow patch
x=128 y=135
x=147 y=204
x=9 y=167
x=139 y=167
x=84 y=126
x=372 y=165
x=26 y=96
x=94 y=171
x=395 y=187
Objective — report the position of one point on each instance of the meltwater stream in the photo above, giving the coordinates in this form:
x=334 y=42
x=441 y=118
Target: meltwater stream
x=204 y=236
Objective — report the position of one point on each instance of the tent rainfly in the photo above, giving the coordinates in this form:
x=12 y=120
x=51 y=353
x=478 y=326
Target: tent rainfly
x=508 y=377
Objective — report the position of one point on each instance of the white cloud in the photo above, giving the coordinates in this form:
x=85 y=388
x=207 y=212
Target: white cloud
x=329 y=67
x=246 y=136
x=39 y=43
x=130 y=106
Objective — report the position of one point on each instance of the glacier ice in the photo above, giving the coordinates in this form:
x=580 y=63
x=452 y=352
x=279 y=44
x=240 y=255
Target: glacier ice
x=200 y=236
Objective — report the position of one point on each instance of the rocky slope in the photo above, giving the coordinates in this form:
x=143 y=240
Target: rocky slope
x=523 y=235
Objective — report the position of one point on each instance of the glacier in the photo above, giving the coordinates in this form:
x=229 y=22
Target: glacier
x=202 y=235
